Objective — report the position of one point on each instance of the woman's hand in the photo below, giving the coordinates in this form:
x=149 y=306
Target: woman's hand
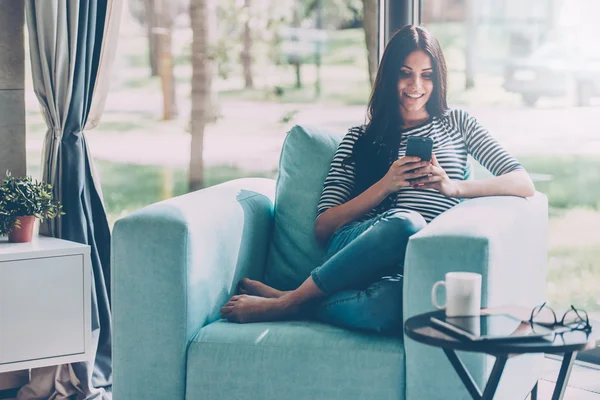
x=435 y=178
x=400 y=172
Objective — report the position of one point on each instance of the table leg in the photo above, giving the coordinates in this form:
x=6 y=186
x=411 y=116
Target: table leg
x=534 y=392
x=464 y=375
x=563 y=375
x=494 y=379
x=467 y=379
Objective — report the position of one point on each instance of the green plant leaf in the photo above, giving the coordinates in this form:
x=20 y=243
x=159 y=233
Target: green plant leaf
x=23 y=197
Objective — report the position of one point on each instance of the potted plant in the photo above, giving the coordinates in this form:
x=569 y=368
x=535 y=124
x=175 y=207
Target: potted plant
x=22 y=200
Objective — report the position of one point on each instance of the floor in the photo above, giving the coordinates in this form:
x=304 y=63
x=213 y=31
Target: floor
x=584 y=383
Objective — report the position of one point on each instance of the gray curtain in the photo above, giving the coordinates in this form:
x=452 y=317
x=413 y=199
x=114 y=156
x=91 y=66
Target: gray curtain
x=72 y=46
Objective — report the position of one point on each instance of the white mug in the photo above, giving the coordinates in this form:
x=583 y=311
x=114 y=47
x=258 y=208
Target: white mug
x=463 y=294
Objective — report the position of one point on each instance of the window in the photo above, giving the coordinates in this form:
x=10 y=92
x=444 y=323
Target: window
x=276 y=63
x=530 y=73
x=281 y=62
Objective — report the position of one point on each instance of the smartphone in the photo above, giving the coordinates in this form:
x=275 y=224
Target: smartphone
x=421 y=147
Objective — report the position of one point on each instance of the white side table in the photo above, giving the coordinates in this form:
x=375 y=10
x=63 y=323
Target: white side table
x=45 y=303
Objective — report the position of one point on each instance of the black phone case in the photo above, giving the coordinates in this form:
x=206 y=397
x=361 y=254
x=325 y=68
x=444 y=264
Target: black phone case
x=419 y=147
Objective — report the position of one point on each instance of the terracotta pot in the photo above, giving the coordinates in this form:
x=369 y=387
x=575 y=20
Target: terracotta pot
x=23 y=234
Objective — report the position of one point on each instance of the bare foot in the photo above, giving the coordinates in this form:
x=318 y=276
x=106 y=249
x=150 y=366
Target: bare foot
x=244 y=308
x=256 y=288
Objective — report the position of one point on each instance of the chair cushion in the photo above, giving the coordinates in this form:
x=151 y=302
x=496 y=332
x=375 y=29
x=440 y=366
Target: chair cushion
x=305 y=159
x=293 y=360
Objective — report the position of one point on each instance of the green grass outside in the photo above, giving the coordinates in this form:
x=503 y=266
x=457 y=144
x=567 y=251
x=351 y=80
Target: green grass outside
x=573 y=268
x=333 y=91
x=346 y=47
x=575 y=180
x=128 y=187
x=573 y=277
x=573 y=257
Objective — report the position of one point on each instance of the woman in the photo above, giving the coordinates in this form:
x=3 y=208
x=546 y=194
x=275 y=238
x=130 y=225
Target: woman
x=374 y=198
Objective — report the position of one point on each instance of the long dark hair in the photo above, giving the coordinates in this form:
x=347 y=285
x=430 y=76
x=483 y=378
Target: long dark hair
x=376 y=150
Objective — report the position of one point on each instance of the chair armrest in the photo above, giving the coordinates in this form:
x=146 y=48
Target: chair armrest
x=502 y=238
x=175 y=263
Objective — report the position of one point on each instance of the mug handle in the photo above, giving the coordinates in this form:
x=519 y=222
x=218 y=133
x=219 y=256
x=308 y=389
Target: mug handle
x=434 y=293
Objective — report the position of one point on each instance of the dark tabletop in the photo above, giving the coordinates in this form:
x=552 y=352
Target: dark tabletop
x=421 y=329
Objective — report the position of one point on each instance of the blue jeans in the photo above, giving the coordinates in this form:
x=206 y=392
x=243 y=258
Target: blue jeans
x=362 y=272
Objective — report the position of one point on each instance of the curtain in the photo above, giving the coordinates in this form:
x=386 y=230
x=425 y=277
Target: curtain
x=72 y=46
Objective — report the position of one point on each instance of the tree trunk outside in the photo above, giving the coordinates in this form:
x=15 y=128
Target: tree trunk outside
x=201 y=89
x=318 y=48
x=471 y=39
x=296 y=58
x=298 y=74
x=164 y=14
x=246 y=55
x=152 y=40
x=370 y=24
x=167 y=74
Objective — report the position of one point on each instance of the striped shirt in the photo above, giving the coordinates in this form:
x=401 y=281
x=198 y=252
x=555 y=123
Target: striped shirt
x=456 y=134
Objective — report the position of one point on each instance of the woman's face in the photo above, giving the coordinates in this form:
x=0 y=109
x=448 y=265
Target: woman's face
x=416 y=82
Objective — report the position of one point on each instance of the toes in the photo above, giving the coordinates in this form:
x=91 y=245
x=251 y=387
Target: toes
x=227 y=314
x=229 y=306
x=241 y=285
x=226 y=310
x=244 y=282
x=234 y=298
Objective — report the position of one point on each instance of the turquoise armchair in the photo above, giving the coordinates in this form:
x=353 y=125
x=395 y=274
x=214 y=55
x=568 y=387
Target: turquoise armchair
x=175 y=263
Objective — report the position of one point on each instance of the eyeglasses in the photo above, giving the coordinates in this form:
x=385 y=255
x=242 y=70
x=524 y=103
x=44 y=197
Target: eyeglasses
x=574 y=319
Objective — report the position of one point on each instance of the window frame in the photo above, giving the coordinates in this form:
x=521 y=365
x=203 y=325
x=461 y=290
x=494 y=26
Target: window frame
x=394 y=14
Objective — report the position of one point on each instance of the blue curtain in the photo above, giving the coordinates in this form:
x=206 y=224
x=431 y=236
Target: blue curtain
x=66 y=39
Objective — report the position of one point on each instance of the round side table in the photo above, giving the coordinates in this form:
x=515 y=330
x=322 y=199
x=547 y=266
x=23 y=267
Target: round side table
x=421 y=329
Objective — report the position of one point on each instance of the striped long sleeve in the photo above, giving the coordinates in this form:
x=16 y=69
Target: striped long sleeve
x=484 y=148
x=339 y=183
x=455 y=135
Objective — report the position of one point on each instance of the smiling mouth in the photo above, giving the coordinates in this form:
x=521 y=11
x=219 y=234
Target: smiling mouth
x=414 y=96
